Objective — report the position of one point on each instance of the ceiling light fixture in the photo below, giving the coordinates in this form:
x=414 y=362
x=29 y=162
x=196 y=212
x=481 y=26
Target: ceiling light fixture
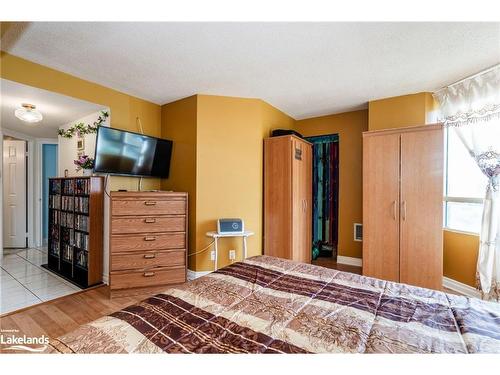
x=28 y=113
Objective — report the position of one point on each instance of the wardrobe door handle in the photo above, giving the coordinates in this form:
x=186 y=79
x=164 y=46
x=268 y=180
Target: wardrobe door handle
x=149 y=256
x=150 y=203
x=149 y=221
x=403 y=206
x=394 y=209
x=148 y=274
x=149 y=238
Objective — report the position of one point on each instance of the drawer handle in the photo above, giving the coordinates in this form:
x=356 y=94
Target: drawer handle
x=150 y=203
x=149 y=238
x=149 y=256
x=148 y=274
x=149 y=221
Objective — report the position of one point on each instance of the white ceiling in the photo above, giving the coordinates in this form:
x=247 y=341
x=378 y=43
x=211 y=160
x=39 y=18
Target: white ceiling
x=56 y=109
x=304 y=69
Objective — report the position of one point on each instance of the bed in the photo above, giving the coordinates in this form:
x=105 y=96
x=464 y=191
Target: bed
x=272 y=305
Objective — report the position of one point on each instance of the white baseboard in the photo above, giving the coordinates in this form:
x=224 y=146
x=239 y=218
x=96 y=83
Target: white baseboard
x=191 y=275
x=461 y=288
x=350 y=261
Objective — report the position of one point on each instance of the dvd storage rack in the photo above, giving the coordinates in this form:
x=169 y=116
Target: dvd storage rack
x=76 y=210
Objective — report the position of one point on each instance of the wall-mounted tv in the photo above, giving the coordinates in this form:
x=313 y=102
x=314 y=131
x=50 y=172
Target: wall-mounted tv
x=131 y=154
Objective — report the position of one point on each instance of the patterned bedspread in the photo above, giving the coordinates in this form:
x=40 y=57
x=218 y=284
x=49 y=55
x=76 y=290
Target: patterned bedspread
x=271 y=305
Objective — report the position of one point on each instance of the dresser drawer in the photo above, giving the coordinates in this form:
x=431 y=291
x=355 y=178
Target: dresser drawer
x=150 y=241
x=150 y=277
x=148 y=259
x=148 y=206
x=148 y=224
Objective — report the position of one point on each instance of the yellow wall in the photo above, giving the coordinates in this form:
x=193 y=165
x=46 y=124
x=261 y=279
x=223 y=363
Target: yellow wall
x=218 y=154
x=273 y=118
x=399 y=111
x=178 y=120
x=348 y=126
x=460 y=256
x=217 y=158
x=229 y=171
x=123 y=108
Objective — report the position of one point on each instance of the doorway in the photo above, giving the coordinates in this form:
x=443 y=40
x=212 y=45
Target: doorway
x=325 y=195
x=15 y=215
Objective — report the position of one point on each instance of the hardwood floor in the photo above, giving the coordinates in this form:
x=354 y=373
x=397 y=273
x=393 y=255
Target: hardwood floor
x=331 y=263
x=57 y=317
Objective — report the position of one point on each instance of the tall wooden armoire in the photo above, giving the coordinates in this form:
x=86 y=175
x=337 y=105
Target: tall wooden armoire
x=403 y=205
x=288 y=198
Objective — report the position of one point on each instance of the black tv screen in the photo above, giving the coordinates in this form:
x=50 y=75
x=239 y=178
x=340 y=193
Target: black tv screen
x=131 y=154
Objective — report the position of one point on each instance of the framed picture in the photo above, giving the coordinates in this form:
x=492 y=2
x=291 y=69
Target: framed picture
x=79 y=154
x=80 y=144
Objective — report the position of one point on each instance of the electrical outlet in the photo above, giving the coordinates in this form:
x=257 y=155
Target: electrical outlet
x=212 y=255
x=232 y=254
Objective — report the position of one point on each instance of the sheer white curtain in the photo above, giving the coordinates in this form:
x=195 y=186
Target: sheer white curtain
x=472 y=108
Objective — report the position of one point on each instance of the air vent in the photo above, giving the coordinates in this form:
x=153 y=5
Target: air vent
x=358 y=232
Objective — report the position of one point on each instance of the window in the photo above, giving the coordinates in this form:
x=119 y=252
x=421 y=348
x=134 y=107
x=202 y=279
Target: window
x=464 y=187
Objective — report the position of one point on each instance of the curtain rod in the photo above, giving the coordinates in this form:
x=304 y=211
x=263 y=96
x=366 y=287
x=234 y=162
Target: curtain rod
x=471 y=76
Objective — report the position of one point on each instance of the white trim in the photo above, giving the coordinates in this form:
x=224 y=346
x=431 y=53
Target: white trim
x=105 y=279
x=33 y=204
x=463 y=200
x=31 y=199
x=191 y=275
x=38 y=193
x=461 y=288
x=350 y=261
x=30 y=181
x=18 y=135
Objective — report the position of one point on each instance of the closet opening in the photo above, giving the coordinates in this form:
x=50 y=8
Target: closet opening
x=325 y=188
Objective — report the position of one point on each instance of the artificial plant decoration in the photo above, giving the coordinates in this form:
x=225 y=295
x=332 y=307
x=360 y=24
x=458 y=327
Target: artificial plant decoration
x=81 y=129
x=84 y=162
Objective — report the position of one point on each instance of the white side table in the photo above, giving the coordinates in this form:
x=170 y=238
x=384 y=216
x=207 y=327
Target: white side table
x=216 y=237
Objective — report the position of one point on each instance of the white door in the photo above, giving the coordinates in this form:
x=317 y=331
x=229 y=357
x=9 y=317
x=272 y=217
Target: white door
x=14 y=194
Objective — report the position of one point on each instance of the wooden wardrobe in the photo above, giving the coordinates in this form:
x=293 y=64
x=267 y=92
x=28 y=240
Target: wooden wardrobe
x=403 y=205
x=288 y=198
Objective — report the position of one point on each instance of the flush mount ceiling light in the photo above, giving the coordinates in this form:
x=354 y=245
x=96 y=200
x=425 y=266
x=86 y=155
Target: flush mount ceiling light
x=28 y=113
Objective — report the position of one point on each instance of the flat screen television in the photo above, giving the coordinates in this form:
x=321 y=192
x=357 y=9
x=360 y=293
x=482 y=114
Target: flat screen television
x=131 y=154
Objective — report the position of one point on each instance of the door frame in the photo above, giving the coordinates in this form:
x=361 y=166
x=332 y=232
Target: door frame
x=33 y=178
x=39 y=191
x=332 y=137
x=29 y=179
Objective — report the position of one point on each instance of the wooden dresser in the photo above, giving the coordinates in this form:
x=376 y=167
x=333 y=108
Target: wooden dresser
x=148 y=244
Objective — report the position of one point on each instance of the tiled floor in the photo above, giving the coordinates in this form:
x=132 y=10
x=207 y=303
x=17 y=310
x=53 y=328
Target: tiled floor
x=24 y=282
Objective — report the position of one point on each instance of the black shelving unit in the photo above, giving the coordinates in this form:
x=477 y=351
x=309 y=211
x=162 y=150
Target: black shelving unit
x=75 y=229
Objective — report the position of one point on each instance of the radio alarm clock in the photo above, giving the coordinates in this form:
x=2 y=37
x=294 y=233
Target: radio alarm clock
x=230 y=226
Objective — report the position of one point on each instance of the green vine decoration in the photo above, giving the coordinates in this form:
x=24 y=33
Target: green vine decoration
x=81 y=129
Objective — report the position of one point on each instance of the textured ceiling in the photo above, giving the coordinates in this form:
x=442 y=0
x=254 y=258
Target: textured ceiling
x=304 y=69
x=56 y=109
